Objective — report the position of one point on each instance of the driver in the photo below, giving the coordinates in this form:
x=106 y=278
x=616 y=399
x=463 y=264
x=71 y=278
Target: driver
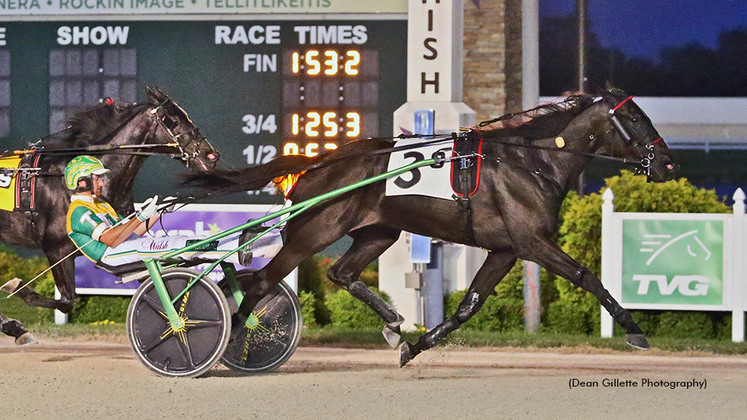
x=102 y=235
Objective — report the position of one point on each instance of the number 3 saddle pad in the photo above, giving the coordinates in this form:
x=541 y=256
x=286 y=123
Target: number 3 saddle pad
x=17 y=188
x=459 y=178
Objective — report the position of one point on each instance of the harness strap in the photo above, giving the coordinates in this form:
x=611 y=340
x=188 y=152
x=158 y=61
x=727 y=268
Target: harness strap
x=465 y=205
x=621 y=104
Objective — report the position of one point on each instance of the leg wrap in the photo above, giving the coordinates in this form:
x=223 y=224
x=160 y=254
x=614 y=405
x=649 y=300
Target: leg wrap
x=361 y=292
x=578 y=279
x=12 y=327
x=468 y=307
x=437 y=334
x=620 y=314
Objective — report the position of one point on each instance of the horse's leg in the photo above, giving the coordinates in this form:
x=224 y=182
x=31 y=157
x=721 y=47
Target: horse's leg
x=549 y=255
x=64 y=275
x=368 y=243
x=13 y=328
x=305 y=237
x=496 y=266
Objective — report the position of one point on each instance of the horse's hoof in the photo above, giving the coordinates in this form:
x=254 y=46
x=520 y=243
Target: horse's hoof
x=11 y=286
x=405 y=354
x=392 y=335
x=638 y=341
x=26 y=339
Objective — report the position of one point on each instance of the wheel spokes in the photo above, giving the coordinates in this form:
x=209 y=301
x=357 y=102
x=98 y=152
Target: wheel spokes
x=185 y=348
x=202 y=323
x=155 y=305
x=157 y=341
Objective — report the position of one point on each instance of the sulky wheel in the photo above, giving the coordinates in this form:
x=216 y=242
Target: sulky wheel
x=273 y=332
x=207 y=325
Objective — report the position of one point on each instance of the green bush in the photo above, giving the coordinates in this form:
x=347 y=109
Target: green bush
x=308 y=305
x=565 y=318
x=498 y=314
x=312 y=278
x=347 y=311
x=682 y=324
x=12 y=265
x=580 y=237
x=92 y=309
x=45 y=285
x=647 y=320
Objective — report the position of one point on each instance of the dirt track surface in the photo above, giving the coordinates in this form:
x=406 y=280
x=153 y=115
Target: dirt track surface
x=86 y=380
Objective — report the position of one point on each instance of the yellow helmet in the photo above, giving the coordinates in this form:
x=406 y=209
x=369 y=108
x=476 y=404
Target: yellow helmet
x=81 y=168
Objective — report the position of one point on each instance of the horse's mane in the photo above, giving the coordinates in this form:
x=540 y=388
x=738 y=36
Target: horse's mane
x=543 y=121
x=92 y=125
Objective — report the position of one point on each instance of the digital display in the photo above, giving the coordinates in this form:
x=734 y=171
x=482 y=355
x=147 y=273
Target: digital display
x=331 y=97
x=257 y=90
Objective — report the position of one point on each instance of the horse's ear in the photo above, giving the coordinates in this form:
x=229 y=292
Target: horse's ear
x=150 y=93
x=614 y=91
x=155 y=95
x=598 y=90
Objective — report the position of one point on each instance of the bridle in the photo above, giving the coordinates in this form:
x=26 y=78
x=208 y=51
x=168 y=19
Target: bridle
x=191 y=138
x=649 y=152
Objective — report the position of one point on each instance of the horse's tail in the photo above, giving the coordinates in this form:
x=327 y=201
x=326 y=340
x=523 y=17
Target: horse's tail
x=286 y=183
x=284 y=171
x=248 y=179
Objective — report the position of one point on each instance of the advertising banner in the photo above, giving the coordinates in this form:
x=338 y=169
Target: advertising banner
x=166 y=7
x=192 y=220
x=673 y=262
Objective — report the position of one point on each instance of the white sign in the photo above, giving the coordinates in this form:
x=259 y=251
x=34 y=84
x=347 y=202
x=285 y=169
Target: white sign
x=426 y=180
x=434 y=51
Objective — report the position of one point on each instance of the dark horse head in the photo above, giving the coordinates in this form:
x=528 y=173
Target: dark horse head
x=168 y=130
x=637 y=140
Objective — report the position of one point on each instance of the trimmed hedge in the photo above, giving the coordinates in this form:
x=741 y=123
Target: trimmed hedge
x=347 y=311
x=91 y=309
x=308 y=307
x=12 y=265
x=86 y=310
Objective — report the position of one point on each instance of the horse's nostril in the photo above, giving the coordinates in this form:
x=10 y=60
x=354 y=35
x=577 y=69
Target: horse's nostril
x=669 y=167
x=212 y=156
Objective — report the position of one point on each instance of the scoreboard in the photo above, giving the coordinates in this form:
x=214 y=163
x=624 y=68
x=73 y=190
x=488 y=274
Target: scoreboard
x=257 y=89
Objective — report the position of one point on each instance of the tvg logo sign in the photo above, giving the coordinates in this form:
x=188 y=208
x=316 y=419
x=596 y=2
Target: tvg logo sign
x=680 y=283
x=673 y=262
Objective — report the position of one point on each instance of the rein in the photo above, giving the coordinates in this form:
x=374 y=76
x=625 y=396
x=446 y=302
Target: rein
x=91 y=150
x=105 y=149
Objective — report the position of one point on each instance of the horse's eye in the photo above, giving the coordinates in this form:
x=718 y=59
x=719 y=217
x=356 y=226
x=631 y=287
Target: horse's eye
x=169 y=122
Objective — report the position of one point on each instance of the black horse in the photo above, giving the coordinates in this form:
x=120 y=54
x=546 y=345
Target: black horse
x=527 y=170
x=103 y=128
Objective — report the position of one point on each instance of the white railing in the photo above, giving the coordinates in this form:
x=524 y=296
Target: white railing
x=676 y=261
